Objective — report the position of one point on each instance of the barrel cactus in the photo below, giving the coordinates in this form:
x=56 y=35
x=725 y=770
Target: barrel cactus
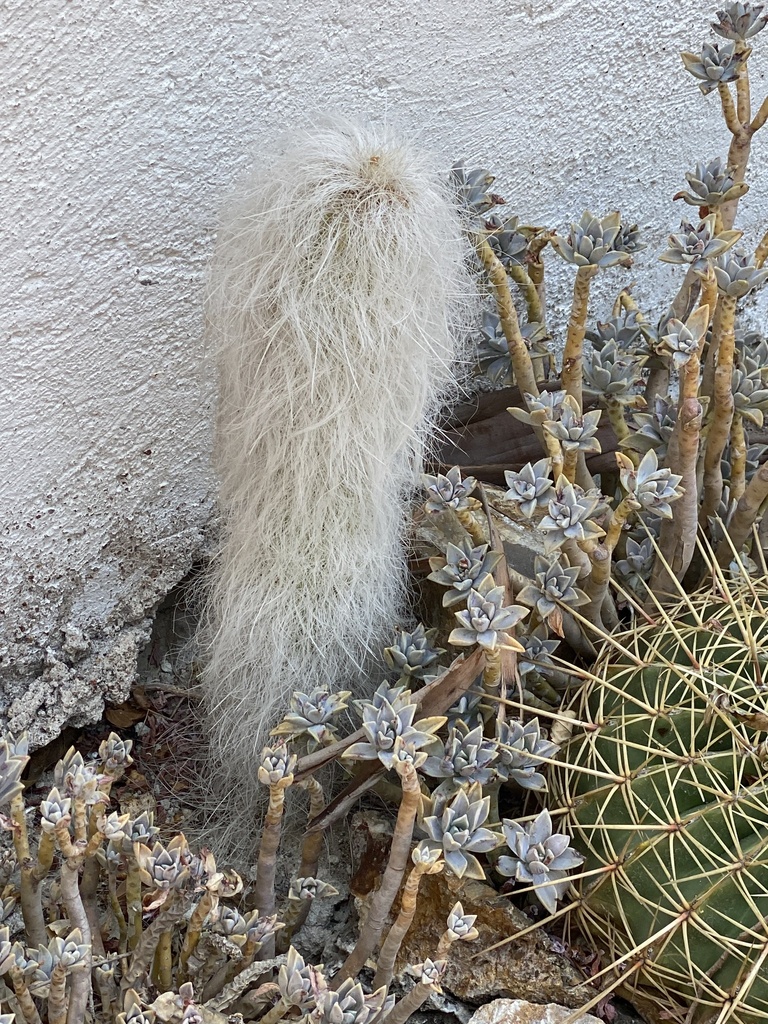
x=664 y=790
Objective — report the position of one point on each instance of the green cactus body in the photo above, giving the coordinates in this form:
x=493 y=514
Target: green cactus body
x=666 y=786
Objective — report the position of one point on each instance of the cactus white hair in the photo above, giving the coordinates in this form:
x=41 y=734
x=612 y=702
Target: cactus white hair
x=335 y=288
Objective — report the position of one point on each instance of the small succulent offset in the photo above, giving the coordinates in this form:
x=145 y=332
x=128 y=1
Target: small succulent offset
x=608 y=373
x=740 y=21
x=299 y=983
x=648 y=486
x=712 y=184
x=467 y=757
x=506 y=241
x=679 y=342
x=459 y=832
x=312 y=715
x=472 y=189
x=462 y=566
x=592 y=242
x=277 y=765
x=716 y=63
x=390 y=730
x=486 y=620
x=412 y=655
x=530 y=487
x=568 y=515
x=698 y=243
x=737 y=274
x=349 y=1004
x=448 y=491
x=574 y=431
x=522 y=752
x=540 y=857
x=554 y=585
x=461 y=926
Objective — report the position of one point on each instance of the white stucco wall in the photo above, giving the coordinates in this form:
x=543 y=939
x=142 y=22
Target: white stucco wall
x=124 y=123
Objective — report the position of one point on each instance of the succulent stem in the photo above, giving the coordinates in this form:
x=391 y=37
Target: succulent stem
x=117 y=910
x=522 y=365
x=133 y=902
x=144 y=954
x=528 y=290
x=738 y=481
x=399 y=854
x=408 y=1005
x=162 y=973
x=744 y=515
x=385 y=964
x=29 y=896
x=26 y=1002
x=721 y=412
x=264 y=889
x=743 y=95
x=615 y=411
x=761 y=251
x=80 y=990
x=574 y=342
x=471 y=525
x=57 y=998
x=192 y=936
x=729 y=110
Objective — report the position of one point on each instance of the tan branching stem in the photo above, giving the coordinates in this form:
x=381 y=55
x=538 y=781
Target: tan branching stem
x=117 y=910
x=26 y=1002
x=729 y=110
x=522 y=365
x=133 y=902
x=399 y=853
x=658 y=381
x=192 y=937
x=574 y=342
x=29 y=886
x=471 y=525
x=738 y=481
x=57 y=998
x=744 y=515
x=144 y=954
x=266 y=865
x=385 y=965
x=529 y=292
x=721 y=412
x=80 y=991
x=412 y=1001
x=492 y=670
x=742 y=129
x=312 y=843
x=596 y=584
x=163 y=964
x=761 y=252
x=615 y=411
x=570 y=461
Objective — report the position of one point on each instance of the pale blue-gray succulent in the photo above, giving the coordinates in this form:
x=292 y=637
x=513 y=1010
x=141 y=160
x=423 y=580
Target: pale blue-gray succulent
x=53 y=809
x=608 y=373
x=537 y=648
x=277 y=764
x=448 y=491
x=412 y=655
x=695 y=244
x=486 y=620
x=506 y=241
x=740 y=21
x=461 y=926
x=458 y=831
x=679 y=342
x=574 y=430
x=568 y=515
x=750 y=394
x=592 y=242
x=554 y=584
x=390 y=732
x=654 y=428
x=312 y=715
x=530 y=487
x=462 y=566
x=467 y=756
x=348 y=1004
x=712 y=184
x=648 y=485
x=472 y=189
x=11 y=767
x=540 y=857
x=715 y=64
x=521 y=749
x=637 y=564
x=623 y=331
x=300 y=983
x=737 y=274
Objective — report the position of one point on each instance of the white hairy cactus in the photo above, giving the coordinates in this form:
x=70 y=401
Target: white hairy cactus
x=337 y=291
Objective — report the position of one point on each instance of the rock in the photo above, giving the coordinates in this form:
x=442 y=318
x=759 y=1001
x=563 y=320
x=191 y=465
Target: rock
x=525 y=968
x=518 y=1011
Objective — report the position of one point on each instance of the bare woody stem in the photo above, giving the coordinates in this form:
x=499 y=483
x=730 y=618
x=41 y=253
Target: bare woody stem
x=409 y=1004
x=745 y=515
x=399 y=854
x=471 y=525
x=266 y=865
x=596 y=585
x=26 y=1002
x=522 y=365
x=385 y=967
x=192 y=936
x=738 y=481
x=574 y=342
x=29 y=885
x=57 y=997
x=144 y=953
x=163 y=963
x=721 y=412
x=80 y=991
x=528 y=290
x=761 y=252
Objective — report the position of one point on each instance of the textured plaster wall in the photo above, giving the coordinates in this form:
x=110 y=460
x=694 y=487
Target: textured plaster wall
x=125 y=122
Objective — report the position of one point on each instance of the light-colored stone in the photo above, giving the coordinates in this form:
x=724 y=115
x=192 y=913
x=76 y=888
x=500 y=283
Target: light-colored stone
x=518 y=1011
